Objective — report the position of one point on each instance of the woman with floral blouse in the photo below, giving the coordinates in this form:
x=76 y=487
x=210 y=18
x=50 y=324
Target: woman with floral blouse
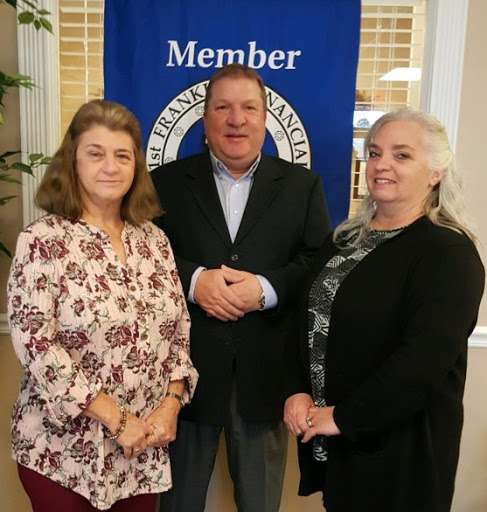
x=99 y=323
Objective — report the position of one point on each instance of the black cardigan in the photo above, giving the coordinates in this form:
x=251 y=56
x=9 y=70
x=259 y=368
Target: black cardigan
x=395 y=371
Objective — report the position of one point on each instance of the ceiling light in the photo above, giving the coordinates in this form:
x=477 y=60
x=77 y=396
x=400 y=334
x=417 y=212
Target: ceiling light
x=402 y=75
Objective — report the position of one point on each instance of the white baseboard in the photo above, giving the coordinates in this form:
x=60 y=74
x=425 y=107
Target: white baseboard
x=478 y=338
x=3 y=324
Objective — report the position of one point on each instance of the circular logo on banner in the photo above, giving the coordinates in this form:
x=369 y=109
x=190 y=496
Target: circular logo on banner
x=186 y=109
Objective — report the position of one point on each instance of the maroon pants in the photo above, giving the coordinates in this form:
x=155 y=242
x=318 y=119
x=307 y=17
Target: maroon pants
x=48 y=496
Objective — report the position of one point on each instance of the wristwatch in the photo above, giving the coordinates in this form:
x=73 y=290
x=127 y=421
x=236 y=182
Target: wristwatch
x=179 y=398
x=262 y=302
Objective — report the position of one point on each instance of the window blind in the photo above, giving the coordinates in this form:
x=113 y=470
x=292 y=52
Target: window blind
x=80 y=34
x=392 y=38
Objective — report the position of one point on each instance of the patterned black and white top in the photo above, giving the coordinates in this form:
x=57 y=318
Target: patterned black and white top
x=320 y=302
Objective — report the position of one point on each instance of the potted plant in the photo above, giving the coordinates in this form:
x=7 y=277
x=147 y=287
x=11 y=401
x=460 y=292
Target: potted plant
x=29 y=13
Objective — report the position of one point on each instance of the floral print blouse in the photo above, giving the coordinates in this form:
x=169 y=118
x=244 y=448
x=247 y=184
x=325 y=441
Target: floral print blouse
x=82 y=322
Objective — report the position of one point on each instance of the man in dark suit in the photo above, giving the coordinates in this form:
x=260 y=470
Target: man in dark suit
x=244 y=227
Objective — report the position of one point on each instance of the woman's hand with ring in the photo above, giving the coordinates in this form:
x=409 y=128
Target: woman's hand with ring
x=296 y=411
x=320 y=421
x=163 y=423
x=133 y=438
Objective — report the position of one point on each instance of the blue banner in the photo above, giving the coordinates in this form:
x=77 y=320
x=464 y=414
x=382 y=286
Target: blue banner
x=159 y=55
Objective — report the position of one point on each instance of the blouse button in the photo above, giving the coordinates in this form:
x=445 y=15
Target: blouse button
x=144 y=336
x=133 y=288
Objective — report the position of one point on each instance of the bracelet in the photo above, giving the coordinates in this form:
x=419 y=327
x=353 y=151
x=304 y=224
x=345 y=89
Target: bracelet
x=123 y=421
x=179 y=398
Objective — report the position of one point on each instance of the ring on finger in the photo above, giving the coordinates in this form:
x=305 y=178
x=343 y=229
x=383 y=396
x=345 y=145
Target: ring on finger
x=309 y=421
x=153 y=432
x=136 y=450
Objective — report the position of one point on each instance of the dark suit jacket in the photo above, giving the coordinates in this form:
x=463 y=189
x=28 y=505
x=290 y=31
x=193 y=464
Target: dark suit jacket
x=395 y=370
x=284 y=224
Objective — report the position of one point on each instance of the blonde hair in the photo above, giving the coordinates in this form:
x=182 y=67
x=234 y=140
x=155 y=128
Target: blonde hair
x=444 y=206
x=58 y=191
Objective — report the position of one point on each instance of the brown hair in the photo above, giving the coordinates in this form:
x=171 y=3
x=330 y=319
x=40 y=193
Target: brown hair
x=235 y=70
x=58 y=191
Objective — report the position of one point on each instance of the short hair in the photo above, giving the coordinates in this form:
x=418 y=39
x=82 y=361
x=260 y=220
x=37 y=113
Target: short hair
x=58 y=191
x=444 y=206
x=235 y=70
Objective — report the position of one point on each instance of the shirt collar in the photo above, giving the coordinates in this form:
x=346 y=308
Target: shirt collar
x=219 y=168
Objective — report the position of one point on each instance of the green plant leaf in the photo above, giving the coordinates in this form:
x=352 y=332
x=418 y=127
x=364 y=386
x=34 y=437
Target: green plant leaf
x=43 y=12
x=30 y=4
x=19 y=166
x=37 y=24
x=9 y=153
x=1 y=117
x=3 y=159
x=16 y=80
x=26 y=17
x=24 y=81
x=18 y=76
x=5 y=250
x=6 y=199
x=9 y=179
x=37 y=159
x=46 y=24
